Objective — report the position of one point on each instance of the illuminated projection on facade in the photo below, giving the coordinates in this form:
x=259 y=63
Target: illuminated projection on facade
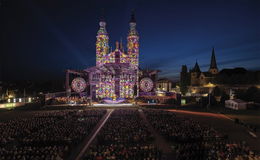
x=117 y=73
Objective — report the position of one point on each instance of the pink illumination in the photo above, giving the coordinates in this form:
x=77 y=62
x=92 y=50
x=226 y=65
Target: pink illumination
x=116 y=71
x=110 y=101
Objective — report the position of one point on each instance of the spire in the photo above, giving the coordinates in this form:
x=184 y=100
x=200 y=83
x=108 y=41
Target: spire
x=121 y=44
x=133 y=43
x=102 y=24
x=102 y=47
x=132 y=20
x=184 y=68
x=132 y=24
x=196 y=67
x=213 y=63
x=117 y=45
x=102 y=16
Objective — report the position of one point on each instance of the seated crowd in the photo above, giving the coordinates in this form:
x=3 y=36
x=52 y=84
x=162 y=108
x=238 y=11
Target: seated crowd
x=70 y=100
x=124 y=136
x=191 y=139
x=46 y=135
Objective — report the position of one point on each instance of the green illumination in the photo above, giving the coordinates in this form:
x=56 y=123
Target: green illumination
x=183 y=101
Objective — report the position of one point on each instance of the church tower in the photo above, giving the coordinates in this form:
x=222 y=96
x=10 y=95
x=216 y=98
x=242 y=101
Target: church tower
x=195 y=73
x=102 y=47
x=133 y=43
x=213 y=69
x=184 y=76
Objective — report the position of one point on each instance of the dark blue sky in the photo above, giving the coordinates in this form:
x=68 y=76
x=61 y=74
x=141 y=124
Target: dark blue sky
x=43 y=38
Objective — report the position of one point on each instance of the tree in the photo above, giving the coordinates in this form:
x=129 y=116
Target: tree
x=224 y=97
x=216 y=91
x=239 y=94
x=183 y=89
x=251 y=94
x=184 y=80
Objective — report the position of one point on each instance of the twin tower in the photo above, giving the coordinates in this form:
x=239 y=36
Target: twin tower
x=104 y=56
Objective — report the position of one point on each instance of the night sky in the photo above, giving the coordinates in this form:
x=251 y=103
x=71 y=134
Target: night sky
x=40 y=39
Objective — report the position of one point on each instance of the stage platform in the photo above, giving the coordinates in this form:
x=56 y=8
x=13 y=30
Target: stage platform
x=114 y=105
x=86 y=106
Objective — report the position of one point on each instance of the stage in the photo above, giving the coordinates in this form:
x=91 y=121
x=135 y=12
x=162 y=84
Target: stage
x=114 y=105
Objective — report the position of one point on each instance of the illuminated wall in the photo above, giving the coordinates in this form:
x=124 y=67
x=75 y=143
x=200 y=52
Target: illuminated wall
x=106 y=87
x=107 y=83
x=120 y=82
x=110 y=58
x=127 y=85
x=124 y=58
x=102 y=47
x=133 y=45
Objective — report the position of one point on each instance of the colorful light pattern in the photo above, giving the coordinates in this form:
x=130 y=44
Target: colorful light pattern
x=127 y=86
x=124 y=58
x=146 y=84
x=133 y=50
x=105 y=89
x=133 y=45
x=110 y=101
x=78 y=84
x=102 y=47
x=120 y=82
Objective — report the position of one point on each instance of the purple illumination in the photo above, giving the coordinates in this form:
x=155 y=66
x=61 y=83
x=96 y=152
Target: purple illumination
x=116 y=72
x=111 y=101
x=78 y=84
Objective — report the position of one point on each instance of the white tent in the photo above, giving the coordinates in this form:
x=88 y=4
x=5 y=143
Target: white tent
x=236 y=104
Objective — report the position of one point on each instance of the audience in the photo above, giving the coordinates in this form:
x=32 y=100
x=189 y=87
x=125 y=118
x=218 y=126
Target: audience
x=124 y=136
x=69 y=100
x=48 y=135
x=192 y=140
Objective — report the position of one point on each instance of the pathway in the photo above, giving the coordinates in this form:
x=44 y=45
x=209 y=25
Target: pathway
x=81 y=149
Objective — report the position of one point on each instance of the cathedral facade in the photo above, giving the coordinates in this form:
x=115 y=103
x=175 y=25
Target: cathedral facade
x=117 y=73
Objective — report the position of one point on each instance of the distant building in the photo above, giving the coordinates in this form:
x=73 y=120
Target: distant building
x=236 y=104
x=1 y=91
x=199 y=78
x=201 y=83
x=164 y=85
x=185 y=76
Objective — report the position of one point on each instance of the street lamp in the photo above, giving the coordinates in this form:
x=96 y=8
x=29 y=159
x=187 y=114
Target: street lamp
x=209 y=102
